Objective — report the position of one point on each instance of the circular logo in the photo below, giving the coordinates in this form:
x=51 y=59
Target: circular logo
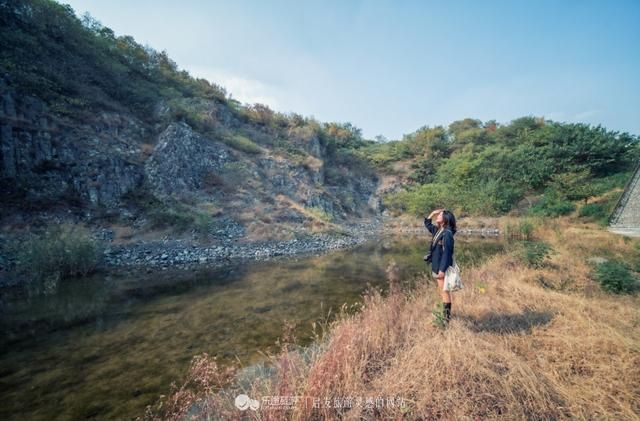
x=243 y=401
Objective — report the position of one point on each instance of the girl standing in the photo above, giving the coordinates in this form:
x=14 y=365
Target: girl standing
x=441 y=250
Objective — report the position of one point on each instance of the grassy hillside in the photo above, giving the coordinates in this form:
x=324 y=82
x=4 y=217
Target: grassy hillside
x=82 y=71
x=480 y=168
x=80 y=67
x=533 y=336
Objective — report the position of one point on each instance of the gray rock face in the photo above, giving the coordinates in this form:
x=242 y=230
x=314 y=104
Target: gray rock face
x=308 y=140
x=182 y=159
x=95 y=162
x=282 y=177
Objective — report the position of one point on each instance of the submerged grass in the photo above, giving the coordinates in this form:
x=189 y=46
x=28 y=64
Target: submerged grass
x=525 y=342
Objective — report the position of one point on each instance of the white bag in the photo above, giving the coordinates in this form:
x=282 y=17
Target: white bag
x=452 y=280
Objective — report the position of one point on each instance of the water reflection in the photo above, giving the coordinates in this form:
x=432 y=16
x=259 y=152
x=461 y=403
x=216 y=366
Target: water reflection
x=106 y=346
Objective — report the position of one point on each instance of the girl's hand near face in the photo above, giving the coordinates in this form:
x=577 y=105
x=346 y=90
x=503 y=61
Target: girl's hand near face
x=434 y=212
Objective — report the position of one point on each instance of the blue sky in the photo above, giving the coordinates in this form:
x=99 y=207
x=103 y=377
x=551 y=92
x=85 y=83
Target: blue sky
x=390 y=67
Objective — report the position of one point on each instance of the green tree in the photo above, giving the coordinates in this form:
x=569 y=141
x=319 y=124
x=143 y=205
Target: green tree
x=460 y=126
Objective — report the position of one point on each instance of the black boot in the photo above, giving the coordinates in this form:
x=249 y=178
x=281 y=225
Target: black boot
x=447 y=312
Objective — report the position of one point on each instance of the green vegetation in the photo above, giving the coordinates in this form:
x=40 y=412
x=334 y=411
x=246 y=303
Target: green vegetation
x=319 y=213
x=438 y=320
x=520 y=231
x=615 y=276
x=486 y=169
x=79 y=66
x=180 y=217
x=63 y=251
x=597 y=211
x=171 y=213
x=242 y=143
x=520 y=238
x=534 y=253
x=553 y=203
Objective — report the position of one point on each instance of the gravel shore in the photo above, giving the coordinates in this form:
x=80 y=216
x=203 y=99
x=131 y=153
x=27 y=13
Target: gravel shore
x=186 y=254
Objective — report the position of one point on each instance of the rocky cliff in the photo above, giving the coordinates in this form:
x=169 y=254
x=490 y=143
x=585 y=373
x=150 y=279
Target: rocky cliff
x=51 y=164
x=95 y=127
x=46 y=160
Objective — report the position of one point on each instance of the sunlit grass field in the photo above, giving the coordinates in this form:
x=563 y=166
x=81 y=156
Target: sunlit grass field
x=529 y=339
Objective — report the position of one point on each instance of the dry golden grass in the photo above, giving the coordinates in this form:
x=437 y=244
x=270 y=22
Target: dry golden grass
x=259 y=230
x=122 y=233
x=513 y=349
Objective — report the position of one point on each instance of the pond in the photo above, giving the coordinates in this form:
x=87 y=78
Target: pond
x=108 y=345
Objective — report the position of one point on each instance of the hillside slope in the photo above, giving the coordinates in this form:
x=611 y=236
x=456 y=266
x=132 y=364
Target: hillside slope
x=96 y=127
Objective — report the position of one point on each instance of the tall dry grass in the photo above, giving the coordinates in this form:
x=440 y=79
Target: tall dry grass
x=523 y=343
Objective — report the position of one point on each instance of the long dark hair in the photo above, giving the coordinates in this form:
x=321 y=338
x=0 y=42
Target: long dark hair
x=449 y=220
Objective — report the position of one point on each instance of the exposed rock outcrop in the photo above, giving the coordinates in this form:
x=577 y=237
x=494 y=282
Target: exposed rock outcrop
x=51 y=160
x=182 y=159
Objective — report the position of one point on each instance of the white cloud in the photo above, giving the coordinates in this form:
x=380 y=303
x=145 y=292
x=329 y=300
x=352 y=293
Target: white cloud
x=245 y=90
x=585 y=115
x=579 y=117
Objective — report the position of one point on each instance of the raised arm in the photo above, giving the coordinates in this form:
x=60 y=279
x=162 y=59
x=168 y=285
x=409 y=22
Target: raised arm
x=430 y=227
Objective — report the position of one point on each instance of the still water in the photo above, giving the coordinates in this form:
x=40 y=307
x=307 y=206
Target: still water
x=107 y=346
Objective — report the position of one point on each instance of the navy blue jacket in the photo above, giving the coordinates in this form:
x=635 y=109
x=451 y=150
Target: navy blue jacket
x=442 y=251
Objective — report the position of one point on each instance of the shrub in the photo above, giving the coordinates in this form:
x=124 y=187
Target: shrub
x=416 y=200
x=611 y=182
x=601 y=211
x=526 y=229
x=523 y=230
x=61 y=252
x=593 y=210
x=242 y=143
x=288 y=149
x=180 y=217
x=333 y=176
x=170 y=216
x=615 y=277
x=534 y=253
x=319 y=213
x=552 y=204
x=235 y=173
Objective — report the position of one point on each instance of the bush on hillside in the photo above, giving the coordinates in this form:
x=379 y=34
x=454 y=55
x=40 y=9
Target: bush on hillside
x=552 y=204
x=615 y=277
x=535 y=253
x=63 y=251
